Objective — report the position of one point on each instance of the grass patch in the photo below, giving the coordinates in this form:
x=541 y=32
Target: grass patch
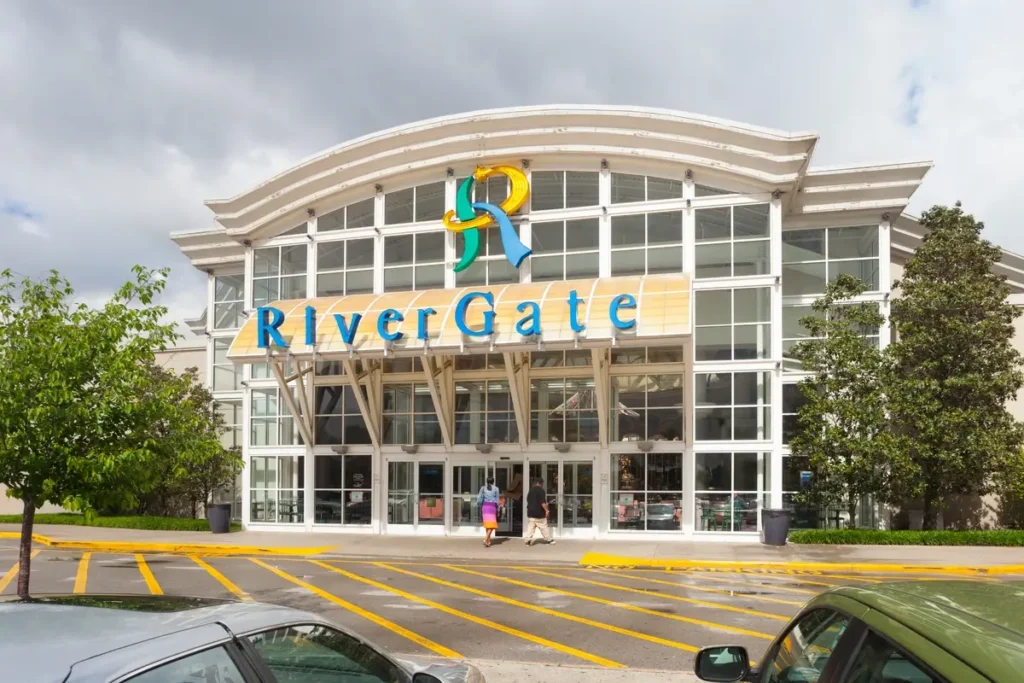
x=1000 y=537
x=135 y=522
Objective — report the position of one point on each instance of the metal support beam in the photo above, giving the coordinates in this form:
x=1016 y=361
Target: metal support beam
x=369 y=416
x=515 y=370
x=286 y=392
x=438 y=394
x=304 y=402
x=599 y=359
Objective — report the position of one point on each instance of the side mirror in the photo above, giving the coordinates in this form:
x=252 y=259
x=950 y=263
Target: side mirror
x=722 y=664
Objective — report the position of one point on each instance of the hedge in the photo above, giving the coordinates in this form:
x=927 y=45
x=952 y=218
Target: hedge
x=137 y=522
x=875 y=537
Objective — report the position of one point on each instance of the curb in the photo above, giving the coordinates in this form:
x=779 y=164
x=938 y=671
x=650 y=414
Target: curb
x=167 y=548
x=603 y=561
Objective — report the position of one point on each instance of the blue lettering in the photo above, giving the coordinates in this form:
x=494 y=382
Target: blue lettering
x=533 y=319
x=386 y=318
x=619 y=302
x=348 y=332
x=310 y=326
x=574 y=301
x=460 y=314
x=422 y=315
x=266 y=330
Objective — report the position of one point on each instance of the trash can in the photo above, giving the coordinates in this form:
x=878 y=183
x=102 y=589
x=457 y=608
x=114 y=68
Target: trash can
x=219 y=515
x=774 y=526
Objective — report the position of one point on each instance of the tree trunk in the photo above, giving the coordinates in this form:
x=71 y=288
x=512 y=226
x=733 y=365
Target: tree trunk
x=25 y=549
x=928 y=515
x=852 y=509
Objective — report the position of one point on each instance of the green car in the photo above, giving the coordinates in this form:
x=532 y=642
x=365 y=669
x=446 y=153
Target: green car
x=900 y=632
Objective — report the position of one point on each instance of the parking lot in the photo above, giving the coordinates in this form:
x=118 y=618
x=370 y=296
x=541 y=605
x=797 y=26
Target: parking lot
x=544 y=613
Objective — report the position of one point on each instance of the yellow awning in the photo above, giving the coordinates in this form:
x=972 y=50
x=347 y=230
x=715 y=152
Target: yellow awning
x=662 y=316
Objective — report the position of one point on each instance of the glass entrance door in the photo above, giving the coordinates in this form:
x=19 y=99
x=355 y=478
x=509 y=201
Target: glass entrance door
x=467 y=482
x=570 y=493
x=415 y=495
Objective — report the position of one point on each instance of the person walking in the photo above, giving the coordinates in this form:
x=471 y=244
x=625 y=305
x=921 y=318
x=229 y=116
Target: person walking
x=538 y=512
x=488 y=499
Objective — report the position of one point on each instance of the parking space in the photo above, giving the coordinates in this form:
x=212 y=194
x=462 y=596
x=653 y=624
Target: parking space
x=557 y=614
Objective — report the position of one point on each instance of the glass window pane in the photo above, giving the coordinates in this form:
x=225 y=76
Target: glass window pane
x=335 y=220
x=663 y=188
x=547 y=190
x=548 y=237
x=581 y=265
x=713 y=224
x=582 y=234
x=264 y=291
x=628 y=230
x=429 y=276
x=581 y=189
x=791 y=316
x=495 y=189
x=327 y=472
x=398 y=207
x=358 y=473
x=330 y=284
x=750 y=221
x=810 y=643
x=547 y=268
x=712 y=343
x=866 y=270
x=751 y=388
x=713 y=306
x=750 y=258
x=753 y=305
x=664 y=354
x=210 y=665
x=627 y=188
x=860 y=242
x=330 y=255
x=665 y=227
x=265 y=262
x=713 y=260
x=397 y=279
x=292 y=652
x=293 y=287
x=430 y=201
x=713 y=424
x=713 y=389
x=713 y=472
x=500 y=271
x=398 y=249
x=665 y=472
x=803 y=245
x=803 y=279
x=429 y=247
x=476 y=274
x=359 y=253
x=665 y=259
x=752 y=341
x=229 y=287
x=360 y=214
x=628 y=472
x=745 y=472
x=293 y=260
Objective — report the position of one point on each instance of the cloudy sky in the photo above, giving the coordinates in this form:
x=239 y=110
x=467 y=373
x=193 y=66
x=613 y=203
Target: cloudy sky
x=118 y=118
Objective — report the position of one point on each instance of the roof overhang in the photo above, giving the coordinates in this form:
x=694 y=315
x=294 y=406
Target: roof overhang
x=660 y=310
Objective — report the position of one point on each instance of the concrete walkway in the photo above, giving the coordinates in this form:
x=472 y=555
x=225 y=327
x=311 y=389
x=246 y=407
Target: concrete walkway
x=413 y=548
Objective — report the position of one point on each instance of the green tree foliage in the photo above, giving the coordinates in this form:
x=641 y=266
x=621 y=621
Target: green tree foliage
x=76 y=406
x=843 y=424
x=954 y=367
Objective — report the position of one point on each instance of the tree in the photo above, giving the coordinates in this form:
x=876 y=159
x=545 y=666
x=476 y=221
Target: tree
x=953 y=365
x=71 y=422
x=843 y=425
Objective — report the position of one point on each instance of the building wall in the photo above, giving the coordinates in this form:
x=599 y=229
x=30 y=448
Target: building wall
x=189 y=353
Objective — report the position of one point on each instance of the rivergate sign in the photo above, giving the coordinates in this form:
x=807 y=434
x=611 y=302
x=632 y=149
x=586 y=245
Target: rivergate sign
x=270 y=319
x=590 y=313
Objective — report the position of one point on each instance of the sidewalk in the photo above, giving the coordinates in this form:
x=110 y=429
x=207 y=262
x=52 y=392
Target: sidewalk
x=676 y=554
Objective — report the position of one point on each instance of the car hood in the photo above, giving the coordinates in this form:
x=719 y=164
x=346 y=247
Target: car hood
x=449 y=672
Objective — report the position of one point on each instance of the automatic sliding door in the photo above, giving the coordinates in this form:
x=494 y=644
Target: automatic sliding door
x=577 y=495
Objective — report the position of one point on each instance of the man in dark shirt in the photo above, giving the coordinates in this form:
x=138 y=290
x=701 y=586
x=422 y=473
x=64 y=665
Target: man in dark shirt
x=537 y=511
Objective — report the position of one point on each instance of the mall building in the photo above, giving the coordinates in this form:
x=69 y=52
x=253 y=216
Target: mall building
x=602 y=298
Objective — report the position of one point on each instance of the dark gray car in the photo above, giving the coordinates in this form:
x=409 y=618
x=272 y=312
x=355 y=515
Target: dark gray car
x=160 y=639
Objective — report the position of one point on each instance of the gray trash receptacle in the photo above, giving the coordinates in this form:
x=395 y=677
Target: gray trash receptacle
x=774 y=526
x=219 y=515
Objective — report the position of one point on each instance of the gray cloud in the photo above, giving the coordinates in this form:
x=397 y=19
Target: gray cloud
x=118 y=118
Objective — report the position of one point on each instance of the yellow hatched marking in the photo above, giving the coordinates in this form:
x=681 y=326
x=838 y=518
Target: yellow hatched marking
x=543 y=610
x=224 y=581
x=147 y=575
x=676 y=598
x=715 y=576
x=12 y=573
x=698 y=588
x=796 y=578
x=82 y=576
x=594 y=659
x=612 y=603
x=356 y=609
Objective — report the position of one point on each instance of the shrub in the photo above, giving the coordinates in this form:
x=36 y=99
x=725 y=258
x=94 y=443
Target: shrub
x=136 y=522
x=874 y=537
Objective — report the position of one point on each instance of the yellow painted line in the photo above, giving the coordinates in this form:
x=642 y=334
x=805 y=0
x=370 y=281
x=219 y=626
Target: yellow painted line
x=131 y=548
x=508 y=630
x=356 y=609
x=720 y=591
x=612 y=603
x=83 y=573
x=606 y=561
x=676 y=598
x=12 y=573
x=224 y=581
x=791 y=578
x=147 y=575
x=716 y=576
x=543 y=610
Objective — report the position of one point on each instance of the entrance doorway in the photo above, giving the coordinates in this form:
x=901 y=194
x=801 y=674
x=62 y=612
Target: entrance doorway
x=508 y=477
x=467 y=482
x=569 y=486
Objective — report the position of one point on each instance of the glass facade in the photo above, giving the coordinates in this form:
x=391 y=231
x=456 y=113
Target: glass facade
x=677 y=438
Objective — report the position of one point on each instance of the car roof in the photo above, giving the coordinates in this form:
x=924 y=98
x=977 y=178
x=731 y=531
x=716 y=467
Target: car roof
x=49 y=635
x=979 y=622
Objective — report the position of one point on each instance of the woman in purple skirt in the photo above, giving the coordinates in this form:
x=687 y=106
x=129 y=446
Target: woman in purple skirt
x=488 y=501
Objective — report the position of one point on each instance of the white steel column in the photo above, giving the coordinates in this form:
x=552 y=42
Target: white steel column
x=604 y=194
x=775 y=230
x=884 y=514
